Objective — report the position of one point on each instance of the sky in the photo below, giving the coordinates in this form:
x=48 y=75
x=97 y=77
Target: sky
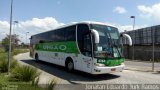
x=35 y=16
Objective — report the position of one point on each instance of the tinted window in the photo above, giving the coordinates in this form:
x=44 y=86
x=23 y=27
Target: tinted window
x=70 y=33
x=82 y=30
x=59 y=35
x=63 y=34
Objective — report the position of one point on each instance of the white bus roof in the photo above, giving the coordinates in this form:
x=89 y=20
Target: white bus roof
x=84 y=22
x=75 y=23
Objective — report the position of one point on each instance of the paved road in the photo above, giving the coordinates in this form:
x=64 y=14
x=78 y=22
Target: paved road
x=141 y=66
x=50 y=71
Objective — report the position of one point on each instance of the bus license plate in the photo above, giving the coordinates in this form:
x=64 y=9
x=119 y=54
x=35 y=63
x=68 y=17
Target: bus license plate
x=113 y=69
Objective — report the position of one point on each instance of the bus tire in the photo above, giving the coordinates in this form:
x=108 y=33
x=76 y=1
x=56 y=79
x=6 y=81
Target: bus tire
x=69 y=65
x=36 y=57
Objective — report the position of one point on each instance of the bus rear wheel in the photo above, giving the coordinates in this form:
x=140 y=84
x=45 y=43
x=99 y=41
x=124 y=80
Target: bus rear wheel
x=70 y=65
x=36 y=57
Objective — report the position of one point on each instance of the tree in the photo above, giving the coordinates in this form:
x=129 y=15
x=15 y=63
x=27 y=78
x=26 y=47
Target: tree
x=14 y=40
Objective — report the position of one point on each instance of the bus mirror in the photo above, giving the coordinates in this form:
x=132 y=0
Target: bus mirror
x=96 y=35
x=129 y=38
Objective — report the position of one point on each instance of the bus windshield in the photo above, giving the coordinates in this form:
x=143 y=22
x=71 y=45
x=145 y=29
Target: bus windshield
x=109 y=45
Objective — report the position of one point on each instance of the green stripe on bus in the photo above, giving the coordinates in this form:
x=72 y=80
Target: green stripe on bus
x=68 y=47
x=112 y=62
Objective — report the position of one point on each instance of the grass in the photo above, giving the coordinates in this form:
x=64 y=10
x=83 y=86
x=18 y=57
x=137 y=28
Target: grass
x=17 y=51
x=22 y=77
x=4 y=65
x=51 y=84
x=4 y=59
x=6 y=84
x=25 y=73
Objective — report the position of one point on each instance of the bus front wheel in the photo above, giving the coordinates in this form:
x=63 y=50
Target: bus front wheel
x=70 y=65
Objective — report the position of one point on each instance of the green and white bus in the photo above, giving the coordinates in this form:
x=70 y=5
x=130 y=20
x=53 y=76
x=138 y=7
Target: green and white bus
x=91 y=47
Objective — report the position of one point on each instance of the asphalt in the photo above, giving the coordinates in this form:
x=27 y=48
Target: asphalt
x=67 y=81
x=142 y=66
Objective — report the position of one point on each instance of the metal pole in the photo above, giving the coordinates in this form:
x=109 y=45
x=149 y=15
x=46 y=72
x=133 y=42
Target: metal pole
x=153 y=49
x=14 y=30
x=9 y=51
x=133 y=38
x=26 y=37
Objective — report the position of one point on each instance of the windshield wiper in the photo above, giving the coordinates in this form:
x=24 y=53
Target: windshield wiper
x=114 y=45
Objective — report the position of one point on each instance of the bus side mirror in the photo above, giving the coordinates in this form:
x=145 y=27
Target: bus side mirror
x=96 y=35
x=128 y=38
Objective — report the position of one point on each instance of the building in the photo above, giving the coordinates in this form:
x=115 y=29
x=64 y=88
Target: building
x=143 y=40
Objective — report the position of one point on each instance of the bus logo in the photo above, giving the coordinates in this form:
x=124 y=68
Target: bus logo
x=56 y=47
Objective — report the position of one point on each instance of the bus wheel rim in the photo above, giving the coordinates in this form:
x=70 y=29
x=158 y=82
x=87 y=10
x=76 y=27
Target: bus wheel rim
x=70 y=65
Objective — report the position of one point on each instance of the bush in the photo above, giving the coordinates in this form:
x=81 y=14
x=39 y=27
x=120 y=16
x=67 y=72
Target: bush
x=51 y=84
x=4 y=65
x=35 y=81
x=17 y=51
x=25 y=73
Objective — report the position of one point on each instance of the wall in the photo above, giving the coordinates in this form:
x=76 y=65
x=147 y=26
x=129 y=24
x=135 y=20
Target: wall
x=141 y=52
x=143 y=39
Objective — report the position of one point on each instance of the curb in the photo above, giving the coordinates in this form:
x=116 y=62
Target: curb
x=141 y=70
x=136 y=69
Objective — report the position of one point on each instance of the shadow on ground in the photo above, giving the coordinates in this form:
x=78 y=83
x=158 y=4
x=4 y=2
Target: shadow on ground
x=60 y=72
x=156 y=72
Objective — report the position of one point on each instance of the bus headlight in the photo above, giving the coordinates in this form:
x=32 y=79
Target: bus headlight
x=100 y=64
x=122 y=64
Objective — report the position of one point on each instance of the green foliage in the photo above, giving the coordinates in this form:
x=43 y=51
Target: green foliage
x=18 y=85
x=4 y=65
x=17 y=51
x=35 y=81
x=1 y=50
x=51 y=84
x=19 y=74
x=25 y=73
x=5 y=44
x=28 y=87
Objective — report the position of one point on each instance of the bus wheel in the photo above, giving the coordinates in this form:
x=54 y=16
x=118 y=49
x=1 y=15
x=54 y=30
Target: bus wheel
x=70 y=65
x=36 y=57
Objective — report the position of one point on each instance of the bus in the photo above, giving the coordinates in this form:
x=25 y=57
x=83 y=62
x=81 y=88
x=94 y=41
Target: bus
x=90 y=47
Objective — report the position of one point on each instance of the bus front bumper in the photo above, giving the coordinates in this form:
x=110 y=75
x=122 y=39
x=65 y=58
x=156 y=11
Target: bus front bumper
x=104 y=70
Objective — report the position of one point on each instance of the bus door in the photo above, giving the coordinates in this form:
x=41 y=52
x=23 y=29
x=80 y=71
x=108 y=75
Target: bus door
x=87 y=53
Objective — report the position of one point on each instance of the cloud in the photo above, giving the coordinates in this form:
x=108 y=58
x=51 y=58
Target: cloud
x=120 y=10
x=33 y=26
x=4 y=28
x=150 y=12
x=130 y=27
x=38 y=25
x=125 y=27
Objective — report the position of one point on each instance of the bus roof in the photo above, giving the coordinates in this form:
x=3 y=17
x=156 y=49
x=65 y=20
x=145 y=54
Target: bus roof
x=75 y=23
x=85 y=22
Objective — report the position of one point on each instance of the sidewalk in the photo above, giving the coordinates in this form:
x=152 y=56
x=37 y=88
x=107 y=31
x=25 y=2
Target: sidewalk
x=141 y=66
